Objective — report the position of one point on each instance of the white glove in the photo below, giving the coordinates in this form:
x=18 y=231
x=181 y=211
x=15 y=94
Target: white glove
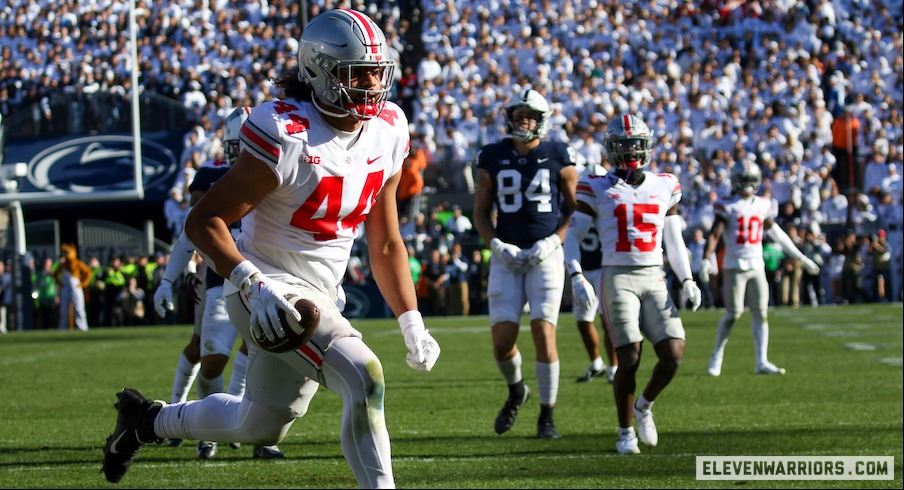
x=423 y=350
x=809 y=266
x=692 y=293
x=266 y=297
x=509 y=254
x=706 y=268
x=163 y=298
x=542 y=249
x=583 y=292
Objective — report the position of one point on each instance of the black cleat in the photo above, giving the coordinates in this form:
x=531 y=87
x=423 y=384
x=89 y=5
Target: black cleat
x=267 y=452
x=546 y=429
x=506 y=418
x=172 y=442
x=591 y=374
x=235 y=445
x=136 y=412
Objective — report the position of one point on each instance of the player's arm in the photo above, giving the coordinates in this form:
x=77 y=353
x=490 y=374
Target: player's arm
x=578 y=227
x=778 y=235
x=236 y=193
x=568 y=182
x=388 y=254
x=483 y=206
x=712 y=240
x=678 y=256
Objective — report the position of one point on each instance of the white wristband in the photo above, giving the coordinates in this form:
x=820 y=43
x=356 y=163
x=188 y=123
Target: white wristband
x=242 y=273
x=411 y=319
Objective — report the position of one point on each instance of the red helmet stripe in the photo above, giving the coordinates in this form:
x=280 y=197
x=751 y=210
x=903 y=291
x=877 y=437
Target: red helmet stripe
x=626 y=120
x=367 y=28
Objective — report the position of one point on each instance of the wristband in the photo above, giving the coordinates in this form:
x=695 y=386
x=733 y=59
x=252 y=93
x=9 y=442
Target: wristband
x=242 y=273
x=576 y=273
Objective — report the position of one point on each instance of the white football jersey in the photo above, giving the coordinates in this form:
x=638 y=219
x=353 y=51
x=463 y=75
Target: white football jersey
x=743 y=233
x=630 y=219
x=305 y=227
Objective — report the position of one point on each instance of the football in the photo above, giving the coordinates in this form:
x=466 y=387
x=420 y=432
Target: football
x=297 y=333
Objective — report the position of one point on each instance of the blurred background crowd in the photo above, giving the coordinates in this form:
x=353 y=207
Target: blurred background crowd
x=810 y=90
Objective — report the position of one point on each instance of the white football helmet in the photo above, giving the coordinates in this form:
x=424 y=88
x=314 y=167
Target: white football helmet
x=629 y=142
x=531 y=100
x=333 y=47
x=746 y=177
x=231 y=131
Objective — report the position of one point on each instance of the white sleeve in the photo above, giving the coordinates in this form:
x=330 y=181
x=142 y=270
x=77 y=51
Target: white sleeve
x=675 y=247
x=578 y=226
x=180 y=255
x=778 y=235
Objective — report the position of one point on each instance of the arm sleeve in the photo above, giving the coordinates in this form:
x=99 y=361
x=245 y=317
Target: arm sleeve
x=778 y=235
x=675 y=248
x=180 y=255
x=578 y=227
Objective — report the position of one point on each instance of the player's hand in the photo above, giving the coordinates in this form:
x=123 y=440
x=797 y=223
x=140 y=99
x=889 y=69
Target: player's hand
x=194 y=286
x=266 y=297
x=510 y=255
x=583 y=292
x=163 y=298
x=542 y=249
x=692 y=293
x=423 y=350
x=809 y=266
x=706 y=268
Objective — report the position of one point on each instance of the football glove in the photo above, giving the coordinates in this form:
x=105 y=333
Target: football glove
x=692 y=293
x=706 y=268
x=509 y=254
x=194 y=286
x=423 y=350
x=163 y=298
x=265 y=297
x=542 y=249
x=809 y=266
x=583 y=292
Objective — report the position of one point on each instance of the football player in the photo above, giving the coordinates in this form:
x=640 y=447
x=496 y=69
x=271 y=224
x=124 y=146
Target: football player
x=742 y=219
x=585 y=312
x=526 y=179
x=314 y=165
x=635 y=213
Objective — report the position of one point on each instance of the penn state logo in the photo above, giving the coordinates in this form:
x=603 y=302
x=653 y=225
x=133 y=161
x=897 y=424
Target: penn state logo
x=99 y=163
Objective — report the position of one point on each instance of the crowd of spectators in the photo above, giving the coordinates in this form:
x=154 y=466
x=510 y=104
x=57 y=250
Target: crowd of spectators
x=810 y=90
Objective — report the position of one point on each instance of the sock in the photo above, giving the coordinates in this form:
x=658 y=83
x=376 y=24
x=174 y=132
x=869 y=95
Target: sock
x=761 y=342
x=239 y=371
x=547 y=381
x=597 y=364
x=208 y=386
x=546 y=412
x=511 y=369
x=626 y=431
x=185 y=376
x=643 y=404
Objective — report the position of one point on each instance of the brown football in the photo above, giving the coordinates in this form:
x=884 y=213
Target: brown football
x=297 y=333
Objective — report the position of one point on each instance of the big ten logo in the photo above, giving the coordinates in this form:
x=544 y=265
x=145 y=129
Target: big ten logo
x=311 y=159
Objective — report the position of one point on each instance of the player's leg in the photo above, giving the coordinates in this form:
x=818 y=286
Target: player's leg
x=217 y=339
x=506 y=298
x=584 y=317
x=662 y=326
x=610 y=350
x=759 y=307
x=621 y=311
x=544 y=285
x=734 y=287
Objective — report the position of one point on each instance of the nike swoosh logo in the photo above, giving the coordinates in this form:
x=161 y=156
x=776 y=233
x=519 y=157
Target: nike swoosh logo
x=115 y=442
x=541 y=160
x=654 y=196
x=369 y=161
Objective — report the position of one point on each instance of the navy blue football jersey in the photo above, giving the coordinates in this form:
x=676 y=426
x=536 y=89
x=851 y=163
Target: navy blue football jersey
x=206 y=175
x=526 y=188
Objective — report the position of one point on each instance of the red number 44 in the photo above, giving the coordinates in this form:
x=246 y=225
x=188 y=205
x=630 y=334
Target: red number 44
x=328 y=195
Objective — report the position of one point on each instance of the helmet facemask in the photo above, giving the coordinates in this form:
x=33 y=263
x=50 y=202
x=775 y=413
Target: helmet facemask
x=528 y=100
x=629 y=143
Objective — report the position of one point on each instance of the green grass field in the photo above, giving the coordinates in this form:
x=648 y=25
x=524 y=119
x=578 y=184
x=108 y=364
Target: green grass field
x=842 y=396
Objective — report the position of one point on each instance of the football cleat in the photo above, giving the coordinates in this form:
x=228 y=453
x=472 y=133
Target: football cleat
x=134 y=427
x=172 y=442
x=546 y=429
x=715 y=366
x=207 y=449
x=267 y=452
x=769 y=368
x=235 y=445
x=506 y=418
x=646 y=428
x=627 y=444
x=590 y=374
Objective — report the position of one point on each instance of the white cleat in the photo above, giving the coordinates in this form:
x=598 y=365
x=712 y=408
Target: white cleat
x=627 y=444
x=769 y=368
x=646 y=428
x=715 y=366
